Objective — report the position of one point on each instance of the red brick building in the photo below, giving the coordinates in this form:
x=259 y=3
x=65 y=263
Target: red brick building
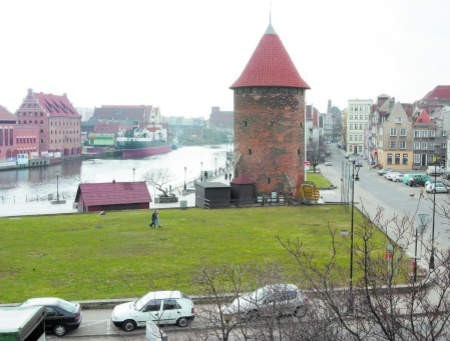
x=57 y=121
x=269 y=108
x=14 y=139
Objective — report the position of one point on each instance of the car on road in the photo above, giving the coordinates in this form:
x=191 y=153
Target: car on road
x=398 y=177
x=270 y=300
x=383 y=171
x=440 y=187
x=328 y=163
x=62 y=316
x=161 y=307
x=417 y=180
x=390 y=175
x=435 y=170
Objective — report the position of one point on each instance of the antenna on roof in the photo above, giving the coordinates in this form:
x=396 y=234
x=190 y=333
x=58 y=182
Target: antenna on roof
x=270 y=13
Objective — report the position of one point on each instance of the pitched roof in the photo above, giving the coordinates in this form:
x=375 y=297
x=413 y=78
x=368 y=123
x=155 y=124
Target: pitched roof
x=441 y=92
x=423 y=117
x=138 y=113
x=270 y=65
x=56 y=105
x=5 y=115
x=113 y=193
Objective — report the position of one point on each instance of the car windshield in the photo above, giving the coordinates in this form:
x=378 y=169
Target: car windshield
x=67 y=306
x=140 y=303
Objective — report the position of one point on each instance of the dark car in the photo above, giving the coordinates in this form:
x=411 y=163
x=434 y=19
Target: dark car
x=418 y=180
x=62 y=315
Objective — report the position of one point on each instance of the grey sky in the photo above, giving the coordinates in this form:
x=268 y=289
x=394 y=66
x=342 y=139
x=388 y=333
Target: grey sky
x=183 y=55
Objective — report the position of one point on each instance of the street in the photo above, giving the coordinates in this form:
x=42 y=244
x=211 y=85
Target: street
x=373 y=192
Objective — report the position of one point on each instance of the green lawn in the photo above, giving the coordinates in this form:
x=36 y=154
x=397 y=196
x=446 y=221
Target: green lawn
x=86 y=256
x=319 y=180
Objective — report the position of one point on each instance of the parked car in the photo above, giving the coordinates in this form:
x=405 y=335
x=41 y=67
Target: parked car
x=383 y=171
x=439 y=188
x=62 y=315
x=390 y=175
x=328 y=163
x=270 y=300
x=161 y=307
x=408 y=176
x=418 y=180
x=398 y=177
x=435 y=170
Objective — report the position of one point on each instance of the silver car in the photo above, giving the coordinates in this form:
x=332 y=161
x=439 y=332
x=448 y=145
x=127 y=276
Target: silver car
x=270 y=300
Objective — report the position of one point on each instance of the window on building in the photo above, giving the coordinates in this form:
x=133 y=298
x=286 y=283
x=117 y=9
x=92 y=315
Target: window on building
x=402 y=131
x=397 y=159
x=402 y=144
x=416 y=159
x=416 y=145
x=405 y=159
x=389 y=159
x=392 y=144
x=268 y=179
x=245 y=123
x=393 y=132
x=249 y=151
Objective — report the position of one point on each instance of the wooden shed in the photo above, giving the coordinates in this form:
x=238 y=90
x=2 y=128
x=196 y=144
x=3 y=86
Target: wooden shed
x=109 y=196
x=212 y=194
x=243 y=191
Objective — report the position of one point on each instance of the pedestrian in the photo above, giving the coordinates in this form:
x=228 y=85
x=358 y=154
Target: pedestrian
x=158 y=222
x=154 y=219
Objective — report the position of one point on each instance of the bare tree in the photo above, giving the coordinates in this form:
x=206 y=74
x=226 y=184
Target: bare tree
x=273 y=324
x=380 y=306
x=159 y=179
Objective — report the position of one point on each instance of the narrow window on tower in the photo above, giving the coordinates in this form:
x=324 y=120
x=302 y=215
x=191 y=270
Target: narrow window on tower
x=298 y=151
x=249 y=151
x=268 y=179
x=301 y=124
x=245 y=123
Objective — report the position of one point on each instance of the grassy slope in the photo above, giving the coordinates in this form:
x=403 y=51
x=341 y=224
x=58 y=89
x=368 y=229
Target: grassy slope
x=85 y=256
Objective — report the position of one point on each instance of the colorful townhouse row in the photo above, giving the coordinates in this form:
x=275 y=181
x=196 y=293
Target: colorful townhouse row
x=45 y=126
x=400 y=136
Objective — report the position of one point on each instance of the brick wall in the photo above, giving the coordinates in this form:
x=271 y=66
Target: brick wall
x=269 y=137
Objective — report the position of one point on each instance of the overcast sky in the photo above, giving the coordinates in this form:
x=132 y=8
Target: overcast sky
x=183 y=55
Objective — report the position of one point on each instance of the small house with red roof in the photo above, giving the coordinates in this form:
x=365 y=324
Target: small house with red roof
x=55 y=118
x=111 y=196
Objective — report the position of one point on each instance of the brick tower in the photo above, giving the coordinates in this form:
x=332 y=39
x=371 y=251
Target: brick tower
x=269 y=107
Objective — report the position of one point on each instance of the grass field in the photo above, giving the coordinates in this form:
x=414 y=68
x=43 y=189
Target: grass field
x=319 y=180
x=116 y=255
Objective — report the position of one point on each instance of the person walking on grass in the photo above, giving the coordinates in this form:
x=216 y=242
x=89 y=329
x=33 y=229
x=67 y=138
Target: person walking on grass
x=155 y=219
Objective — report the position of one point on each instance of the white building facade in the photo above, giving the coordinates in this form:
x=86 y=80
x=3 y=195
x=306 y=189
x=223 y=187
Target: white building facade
x=357 y=125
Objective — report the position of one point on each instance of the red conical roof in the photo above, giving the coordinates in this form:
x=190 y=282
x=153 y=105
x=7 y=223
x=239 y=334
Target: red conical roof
x=423 y=117
x=270 y=65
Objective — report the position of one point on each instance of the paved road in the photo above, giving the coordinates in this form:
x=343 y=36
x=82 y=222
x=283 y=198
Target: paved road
x=396 y=199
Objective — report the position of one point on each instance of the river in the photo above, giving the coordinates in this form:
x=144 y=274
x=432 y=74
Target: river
x=27 y=191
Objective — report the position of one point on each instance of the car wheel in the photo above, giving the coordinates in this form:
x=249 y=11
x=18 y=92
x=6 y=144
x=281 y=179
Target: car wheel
x=59 y=330
x=252 y=315
x=182 y=322
x=129 y=325
x=300 y=311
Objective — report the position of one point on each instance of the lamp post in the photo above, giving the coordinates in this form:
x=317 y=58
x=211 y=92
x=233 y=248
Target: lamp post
x=355 y=177
x=57 y=186
x=201 y=171
x=423 y=217
x=431 y=265
x=184 y=186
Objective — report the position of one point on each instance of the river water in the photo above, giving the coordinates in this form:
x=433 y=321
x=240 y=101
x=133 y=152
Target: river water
x=27 y=191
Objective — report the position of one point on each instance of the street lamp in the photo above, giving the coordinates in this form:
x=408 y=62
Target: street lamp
x=423 y=217
x=355 y=177
x=57 y=186
x=185 y=170
x=431 y=266
x=201 y=171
